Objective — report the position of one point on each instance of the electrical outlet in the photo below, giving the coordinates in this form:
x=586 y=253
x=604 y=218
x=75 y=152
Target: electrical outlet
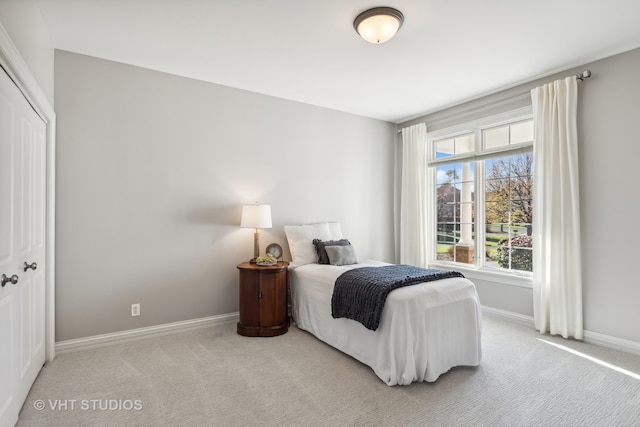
x=135 y=309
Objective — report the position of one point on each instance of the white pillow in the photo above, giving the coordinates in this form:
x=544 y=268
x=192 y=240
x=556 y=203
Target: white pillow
x=300 y=239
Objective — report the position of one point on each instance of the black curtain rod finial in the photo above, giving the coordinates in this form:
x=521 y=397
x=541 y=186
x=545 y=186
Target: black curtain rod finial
x=584 y=75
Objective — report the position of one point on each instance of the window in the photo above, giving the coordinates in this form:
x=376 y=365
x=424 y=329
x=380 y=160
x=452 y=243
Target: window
x=483 y=174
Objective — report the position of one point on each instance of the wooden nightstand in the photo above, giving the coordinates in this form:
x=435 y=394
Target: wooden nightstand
x=263 y=300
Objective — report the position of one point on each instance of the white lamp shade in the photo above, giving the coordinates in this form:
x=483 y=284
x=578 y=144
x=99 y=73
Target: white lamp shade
x=256 y=216
x=378 y=25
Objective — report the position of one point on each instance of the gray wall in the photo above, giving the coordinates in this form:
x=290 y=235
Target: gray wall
x=23 y=21
x=608 y=112
x=152 y=170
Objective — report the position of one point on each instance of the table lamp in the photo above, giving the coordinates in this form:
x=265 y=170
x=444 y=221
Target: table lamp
x=256 y=216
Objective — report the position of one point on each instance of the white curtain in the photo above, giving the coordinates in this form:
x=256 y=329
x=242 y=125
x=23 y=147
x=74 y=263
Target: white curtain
x=413 y=196
x=557 y=274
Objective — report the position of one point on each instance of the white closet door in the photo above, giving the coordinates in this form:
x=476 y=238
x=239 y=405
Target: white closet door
x=22 y=241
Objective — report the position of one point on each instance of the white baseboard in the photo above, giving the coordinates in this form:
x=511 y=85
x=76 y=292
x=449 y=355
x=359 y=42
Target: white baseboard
x=97 y=341
x=520 y=319
x=608 y=341
x=590 y=337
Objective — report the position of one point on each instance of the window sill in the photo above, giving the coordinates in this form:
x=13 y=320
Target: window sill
x=522 y=280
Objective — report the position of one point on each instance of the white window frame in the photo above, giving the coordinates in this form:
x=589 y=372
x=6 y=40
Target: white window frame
x=510 y=277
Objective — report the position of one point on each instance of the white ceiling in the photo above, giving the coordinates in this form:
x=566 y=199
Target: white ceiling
x=446 y=52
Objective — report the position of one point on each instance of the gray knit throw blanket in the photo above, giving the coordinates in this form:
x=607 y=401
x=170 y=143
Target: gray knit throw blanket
x=360 y=293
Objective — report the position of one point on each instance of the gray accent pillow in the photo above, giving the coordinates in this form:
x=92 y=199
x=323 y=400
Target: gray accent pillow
x=341 y=255
x=321 y=244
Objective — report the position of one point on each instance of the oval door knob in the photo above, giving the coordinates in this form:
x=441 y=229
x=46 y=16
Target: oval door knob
x=33 y=266
x=5 y=279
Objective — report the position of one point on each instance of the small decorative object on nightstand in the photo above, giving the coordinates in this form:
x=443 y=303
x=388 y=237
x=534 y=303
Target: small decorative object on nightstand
x=263 y=300
x=274 y=250
x=266 y=261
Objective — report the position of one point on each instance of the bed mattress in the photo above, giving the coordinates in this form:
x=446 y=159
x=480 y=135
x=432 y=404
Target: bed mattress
x=425 y=329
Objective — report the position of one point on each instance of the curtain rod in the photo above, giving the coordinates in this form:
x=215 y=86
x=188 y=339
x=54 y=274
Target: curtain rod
x=580 y=76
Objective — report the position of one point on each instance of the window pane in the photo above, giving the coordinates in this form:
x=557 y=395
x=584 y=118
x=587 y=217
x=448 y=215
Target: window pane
x=520 y=188
x=498 y=137
x=522 y=228
x=444 y=148
x=444 y=252
x=521 y=255
x=521 y=165
x=494 y=236
x=497 y=212
x=508 y=211
x=522 y=132
x=464 y=144
x=446 y=175
x=455 y=214
x=497 y=168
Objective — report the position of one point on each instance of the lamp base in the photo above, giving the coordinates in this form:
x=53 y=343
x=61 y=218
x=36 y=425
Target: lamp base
x=256 y=246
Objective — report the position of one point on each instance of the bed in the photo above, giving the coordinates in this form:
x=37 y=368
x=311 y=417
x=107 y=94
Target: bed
x=425 y=329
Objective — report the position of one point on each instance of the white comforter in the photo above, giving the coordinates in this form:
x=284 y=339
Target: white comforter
x=425 y=329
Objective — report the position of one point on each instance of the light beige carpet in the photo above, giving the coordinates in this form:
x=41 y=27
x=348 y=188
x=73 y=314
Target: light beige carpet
x=214 y=377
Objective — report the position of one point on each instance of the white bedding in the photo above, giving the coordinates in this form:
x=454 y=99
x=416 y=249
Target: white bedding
x=425 y=329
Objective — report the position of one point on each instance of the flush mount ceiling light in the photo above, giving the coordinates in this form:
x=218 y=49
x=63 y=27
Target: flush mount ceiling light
x=379 y=24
